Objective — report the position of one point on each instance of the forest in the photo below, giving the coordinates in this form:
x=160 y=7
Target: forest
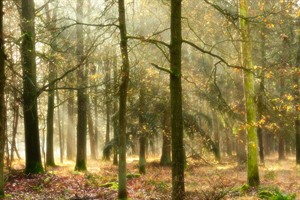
x=141 y=99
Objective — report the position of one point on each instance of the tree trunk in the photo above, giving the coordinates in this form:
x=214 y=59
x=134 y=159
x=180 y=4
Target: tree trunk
x=108 y=105
x=60 y=124
x=51 y=95
x=260 y=102
x=70 y=127
x=92 y=134
x=176 y=103
x=216 y=135
x=115 y=111
x=142 y=155
x=81 y=95
x=165 y=159
x=297 y=104
x=2 y=101
x=32 y=143
x=249 y=89
x=50 y=119
x=122 y=193
x=281 y=142
x=241 y=144
x=16 y=108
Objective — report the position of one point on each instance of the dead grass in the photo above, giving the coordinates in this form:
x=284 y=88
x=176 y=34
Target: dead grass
x=203 y=181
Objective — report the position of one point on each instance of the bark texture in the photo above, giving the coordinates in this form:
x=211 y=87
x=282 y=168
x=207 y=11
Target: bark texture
x=122 y=193
x=2 y=101
x=30 y=108
x=176 y=103
x=249 y=89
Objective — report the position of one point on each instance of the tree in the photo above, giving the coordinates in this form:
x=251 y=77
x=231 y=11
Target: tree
x=249 y=89
x=51 y=94
x=30 y=89
x=122 y=193
x=81 y=94
x=2 y=100
x=165 y=158
x=176 y=103
x=142 y=139
x=296 y=100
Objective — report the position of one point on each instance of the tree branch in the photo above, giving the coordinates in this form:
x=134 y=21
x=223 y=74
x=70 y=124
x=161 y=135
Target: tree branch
x=161 y=68
x=153 y=41
x=213 y=55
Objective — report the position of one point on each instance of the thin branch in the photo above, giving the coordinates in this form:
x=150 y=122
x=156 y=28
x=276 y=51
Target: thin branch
x=153 y=41
x=213 y=55
x=161 y=68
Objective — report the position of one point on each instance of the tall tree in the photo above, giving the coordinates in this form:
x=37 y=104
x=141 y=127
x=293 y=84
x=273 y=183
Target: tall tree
x=297 y=100
x=260 y=102
x=165 y=158
x=249 y=89
x=2 y=100
x=107 y=66
x=81 y=94
x=176 y=103
x=51 y=94
x=30 y=109
x=122 y=193
x=142 y=139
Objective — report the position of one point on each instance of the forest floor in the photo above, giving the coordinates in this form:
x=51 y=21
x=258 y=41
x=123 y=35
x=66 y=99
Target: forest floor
x=204 y=180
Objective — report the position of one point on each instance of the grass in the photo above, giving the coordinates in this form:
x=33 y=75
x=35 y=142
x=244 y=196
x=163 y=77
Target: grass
x=202 y=181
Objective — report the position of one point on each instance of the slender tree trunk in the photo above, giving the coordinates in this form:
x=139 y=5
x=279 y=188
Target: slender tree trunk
x=32 y=143
x=142 y=157
x=115 y=111
x=2 y=101
x=297 y=104
x=108 y=105
x=251 y=110
x=70 y=128
x=260 y=103
x=122 y=193
x=60 y=124
x=178 y=159
x=50 y=118
x=241 y=144
x=281 y=142
x=14 y=129
x=165 y=159
x=92 y=134
x=81 y=95
x=216 y=135
x=228 y=143
x=51 y=96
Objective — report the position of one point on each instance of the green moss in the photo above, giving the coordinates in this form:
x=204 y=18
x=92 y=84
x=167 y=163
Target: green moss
x=34 y=168
x=275 y=194
x=80 y=166
x=131 y=176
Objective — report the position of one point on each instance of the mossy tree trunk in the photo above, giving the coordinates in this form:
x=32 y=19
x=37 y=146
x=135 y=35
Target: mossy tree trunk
x=2 y=101
x=122 y=193
x=81 y=94
x=249 y=89
x=30 y=108
x=178 y=160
